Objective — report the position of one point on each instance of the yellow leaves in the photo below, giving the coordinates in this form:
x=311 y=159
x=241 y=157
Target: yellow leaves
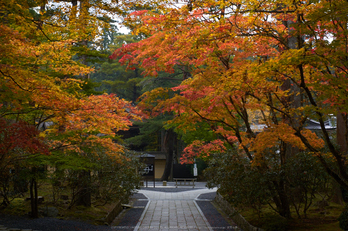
x=271 y=137
x=27 y=65
x=26 y=70
x=58 y=57
x=108 y=147
x=38 y=64
x=293 y=57
x=313 y=139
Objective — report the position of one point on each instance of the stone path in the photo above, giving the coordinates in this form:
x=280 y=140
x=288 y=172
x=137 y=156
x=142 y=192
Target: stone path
x=173 y=211
x=161 y=208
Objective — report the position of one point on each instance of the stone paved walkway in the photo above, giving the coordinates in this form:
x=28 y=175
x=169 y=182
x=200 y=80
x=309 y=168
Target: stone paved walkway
x=173 y=211
x=161 y=208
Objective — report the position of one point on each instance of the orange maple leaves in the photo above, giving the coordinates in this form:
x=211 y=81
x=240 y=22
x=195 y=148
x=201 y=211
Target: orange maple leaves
x=93 y=122
x=106 y=114
x=201 y=149
x=245 y=71
x=38 y=84
x=271 y=137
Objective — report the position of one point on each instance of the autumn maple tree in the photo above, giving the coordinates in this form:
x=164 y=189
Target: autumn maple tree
x=19 y=141
x=260 y=71
x=45 y=47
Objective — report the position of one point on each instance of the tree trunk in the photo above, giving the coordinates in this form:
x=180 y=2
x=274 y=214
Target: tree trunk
x=169 y=147
x=342 y=135
x=83 y=196
x=33 y=195
x=342 y=140
x=284 y=210
x=280 y=198
x=20 y=184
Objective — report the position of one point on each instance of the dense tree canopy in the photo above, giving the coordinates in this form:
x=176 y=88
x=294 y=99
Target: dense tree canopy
x=40 y=73
x=245 y=79
x=260 y=71
x=45 y=95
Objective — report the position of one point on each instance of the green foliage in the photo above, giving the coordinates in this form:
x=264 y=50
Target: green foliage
x=129 y=83
x=248 y=188
x=343 y=219
x=164 y=79
x=149 y=131
x=48 y=51
x=115 y=78
x=201 y=166
x=107 y=179
x=199 y=131
x=89 y=86
x=302 y=177
x=305 y=178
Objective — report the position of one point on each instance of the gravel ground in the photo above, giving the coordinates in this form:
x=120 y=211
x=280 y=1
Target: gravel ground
x=207 y=196
x=214 y=217
x=129 y=218
x=48 y=224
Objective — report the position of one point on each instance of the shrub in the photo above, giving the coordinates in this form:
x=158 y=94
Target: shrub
x=343 y=219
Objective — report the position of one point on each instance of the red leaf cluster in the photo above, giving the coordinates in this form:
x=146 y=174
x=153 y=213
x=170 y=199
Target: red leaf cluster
x=20 y=135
